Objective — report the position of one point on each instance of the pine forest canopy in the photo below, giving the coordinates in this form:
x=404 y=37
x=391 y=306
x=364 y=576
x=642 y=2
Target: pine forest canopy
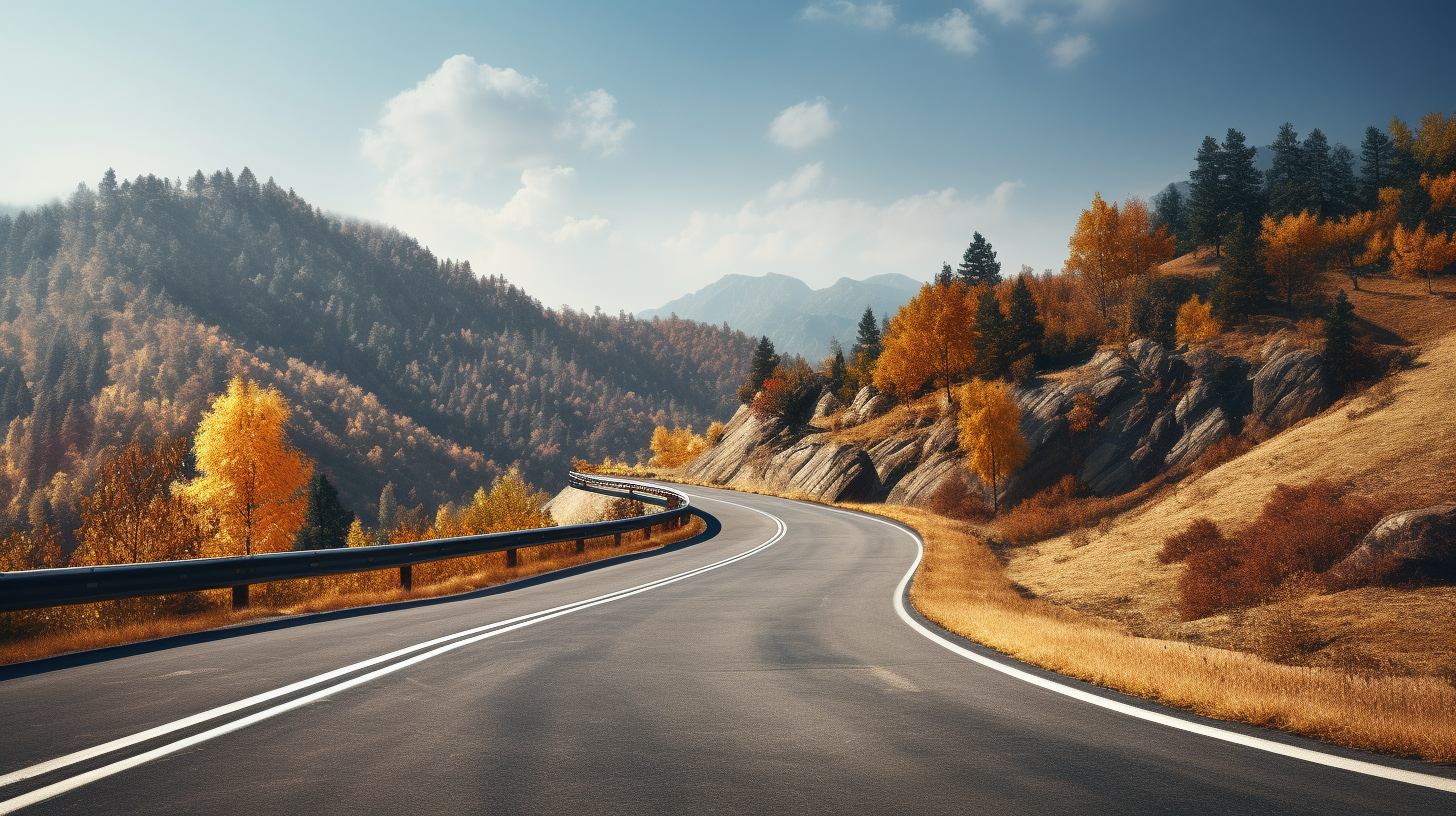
x=124 y=308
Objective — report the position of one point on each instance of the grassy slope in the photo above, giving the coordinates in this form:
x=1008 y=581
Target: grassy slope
x=1394 y=439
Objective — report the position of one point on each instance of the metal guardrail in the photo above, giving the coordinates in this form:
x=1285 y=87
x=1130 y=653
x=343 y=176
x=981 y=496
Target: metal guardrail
x=34 y=589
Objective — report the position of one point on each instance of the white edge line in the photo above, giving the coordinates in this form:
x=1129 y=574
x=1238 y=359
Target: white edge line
x=1258 y=743
x=487 y=631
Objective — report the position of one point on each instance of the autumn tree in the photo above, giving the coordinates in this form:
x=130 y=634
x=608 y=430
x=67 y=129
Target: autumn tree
x=676 y=447
x=1094 y=249
x=979 y=264
x=1196 y=323
x=133 y=515
x=511 y=504
x=928 y=343
x=1141 y=248
x=990 y=434
x=326 y=521
x=252 y=477
x=1420 y=253
x=1292 y=252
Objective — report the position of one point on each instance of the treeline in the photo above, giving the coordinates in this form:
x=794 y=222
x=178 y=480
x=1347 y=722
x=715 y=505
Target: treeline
x=124 y=308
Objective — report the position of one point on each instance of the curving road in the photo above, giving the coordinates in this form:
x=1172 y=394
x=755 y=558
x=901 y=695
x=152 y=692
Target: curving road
x=762 y=669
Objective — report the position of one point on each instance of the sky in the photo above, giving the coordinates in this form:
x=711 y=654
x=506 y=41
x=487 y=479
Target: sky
x=620 y=155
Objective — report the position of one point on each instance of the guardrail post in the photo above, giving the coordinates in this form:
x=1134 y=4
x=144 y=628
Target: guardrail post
x=240 y=596
x=616 y=539
x=407 y=577
x=510 y=558
x=581 y=545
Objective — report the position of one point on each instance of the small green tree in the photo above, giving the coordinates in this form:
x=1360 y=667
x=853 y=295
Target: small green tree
x=991 y=339
x=979 y=264
x=388 y=512
x=1339 y=348
x=325 y=521
x=760 y=368
x=1242 y=283
x=1025 y=331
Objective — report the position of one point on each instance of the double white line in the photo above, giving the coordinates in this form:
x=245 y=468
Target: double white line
x=388 y=663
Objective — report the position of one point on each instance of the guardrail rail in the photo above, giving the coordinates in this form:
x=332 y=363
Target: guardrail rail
x=35 y=589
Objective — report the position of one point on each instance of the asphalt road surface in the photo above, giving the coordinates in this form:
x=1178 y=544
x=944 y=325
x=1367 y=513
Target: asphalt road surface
x=781 y=679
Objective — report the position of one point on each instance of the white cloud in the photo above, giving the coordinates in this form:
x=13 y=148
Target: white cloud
x=803 y=124
x=470 y=117
x=803 y=181
x=874 y=15
x=954 y=32
x=912 y=235
x=1069 y=49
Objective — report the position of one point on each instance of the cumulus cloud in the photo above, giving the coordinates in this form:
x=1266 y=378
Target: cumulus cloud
x=473 y=117
x=1069 y=49
x=874 y=15
x=802 y=182
x=803 y=124
x=954 y=32
x=912 y=235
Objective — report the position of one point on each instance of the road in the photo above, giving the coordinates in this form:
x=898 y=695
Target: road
x=781 y=681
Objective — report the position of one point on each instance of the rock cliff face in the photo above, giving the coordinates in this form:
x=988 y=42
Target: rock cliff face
x=1157 y=410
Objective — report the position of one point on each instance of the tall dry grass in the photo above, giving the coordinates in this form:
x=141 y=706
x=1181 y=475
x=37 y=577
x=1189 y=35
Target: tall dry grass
x=962 y=586
x=34 y=634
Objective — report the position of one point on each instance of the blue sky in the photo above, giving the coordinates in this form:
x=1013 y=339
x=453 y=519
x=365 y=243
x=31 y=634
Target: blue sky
x=619 y=155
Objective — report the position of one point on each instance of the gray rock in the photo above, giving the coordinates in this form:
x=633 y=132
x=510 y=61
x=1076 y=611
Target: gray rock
x=1290 y=387
x=1207 y=430
x=827 y=405
x=1415 y=545
x=823 y=470
x=878 y=405
x=917 y=486
x=746 y=441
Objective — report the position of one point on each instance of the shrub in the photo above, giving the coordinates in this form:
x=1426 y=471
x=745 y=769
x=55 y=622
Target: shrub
x=1302 y=531
x=953 y=498
x=714 y=434
x=1196 y=323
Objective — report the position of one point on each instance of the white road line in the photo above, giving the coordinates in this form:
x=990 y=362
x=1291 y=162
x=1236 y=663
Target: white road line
x=1294 y=752
x=480 y=633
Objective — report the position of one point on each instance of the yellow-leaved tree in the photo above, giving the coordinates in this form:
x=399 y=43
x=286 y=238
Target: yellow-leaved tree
x=1196 y=323
x=251 y=478
x=1421 y=252
x=133 y=514
x=1095 y=253
x=990 y=434
x=676 y=447
x=1293 y=249
x=1140 y=248
x=929 y=341
x=511 y=504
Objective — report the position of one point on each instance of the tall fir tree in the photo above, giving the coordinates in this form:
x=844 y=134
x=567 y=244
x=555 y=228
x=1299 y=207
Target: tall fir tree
x=1375 y=170
x=325 y=521
x=838 y=370
x=1341 y=186
x=1243 y=184
x=1339 y=346
x=1206 y=197
x=1025 y=330
x=388 y=512
x=991 y=340
x=760 y=368
x=946 y=276
x=1242 y=283
x=867 y=339
x=1317 y=174
x=1287 y=178
x=1171 y=210
x=979 y=264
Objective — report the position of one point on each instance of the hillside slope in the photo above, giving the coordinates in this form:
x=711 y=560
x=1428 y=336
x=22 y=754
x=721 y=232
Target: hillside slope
x=123 y=309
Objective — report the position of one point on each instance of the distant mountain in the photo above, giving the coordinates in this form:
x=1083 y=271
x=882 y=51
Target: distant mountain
x=798 y=319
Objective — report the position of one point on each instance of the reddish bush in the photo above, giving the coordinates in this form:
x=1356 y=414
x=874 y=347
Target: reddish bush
x=1301 y=531
x=955 y=499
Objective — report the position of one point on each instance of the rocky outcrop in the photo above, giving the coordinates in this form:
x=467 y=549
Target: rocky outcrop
x=827 y=405
x=1290 y=387
x=1157 y=410
x=1415 y=545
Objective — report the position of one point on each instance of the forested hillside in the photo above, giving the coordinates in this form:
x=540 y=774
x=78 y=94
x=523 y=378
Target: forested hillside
x=125 y=307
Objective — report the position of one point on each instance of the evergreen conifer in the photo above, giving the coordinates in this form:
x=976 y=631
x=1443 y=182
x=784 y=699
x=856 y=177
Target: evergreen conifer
x=979 y=264
x=325 y=521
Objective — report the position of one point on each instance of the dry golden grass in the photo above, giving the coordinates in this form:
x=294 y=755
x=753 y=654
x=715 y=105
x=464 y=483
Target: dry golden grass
x=961 y=586
x=887 y=424
x=1200 y=264
x=308 y=595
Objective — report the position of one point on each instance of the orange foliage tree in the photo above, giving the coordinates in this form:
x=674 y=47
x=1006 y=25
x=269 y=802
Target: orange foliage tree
x=1421 y=252
x=1140 y=248
x=990 y=433
x=252 y=477
x=1293 y=248
x=676 y=447
x=929 y=341
x=1196 y=323
x=134 y=515
x=1094 y=249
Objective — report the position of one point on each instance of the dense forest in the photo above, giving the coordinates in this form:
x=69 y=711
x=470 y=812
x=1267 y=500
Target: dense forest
x=124 y=308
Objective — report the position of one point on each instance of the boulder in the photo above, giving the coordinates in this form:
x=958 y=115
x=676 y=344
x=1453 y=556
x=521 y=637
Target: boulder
x=745 y=438
x=1290 y=387
x=823 y=470
x=1414 y=545
x=1209 y=429
x=827 y=405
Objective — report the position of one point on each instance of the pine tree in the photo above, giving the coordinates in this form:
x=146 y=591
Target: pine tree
x=1243 y=183
x=838 y=371
x=991 y=339
x=325 y=521
x=1206 y=197
x=979 y=264
x=866 y=348
x=1171 y=211
x=1024 y=328
x=1340 y=184
x=761 y=367
x=1375 y=157
x=946 y=276
x=1339 y=349
x=388 y=512
x=1317 y=175
x=1241 y=284
x=1287 y=179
